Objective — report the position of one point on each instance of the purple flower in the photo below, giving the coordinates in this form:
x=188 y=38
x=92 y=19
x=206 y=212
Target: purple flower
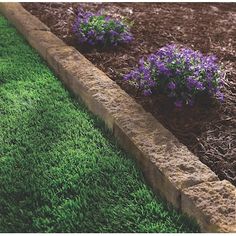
x=127 y=77
x=178 y=103
x=220 y=96
x=194 y=84
x=171 y=86
x=190 y=102
x=199 y=85
x=127 y=38
x=190 y=82
x=114 y=33
x=91 y=42
x=162 y=69
x=147 y=92
x=181 y=73
x=98 y=29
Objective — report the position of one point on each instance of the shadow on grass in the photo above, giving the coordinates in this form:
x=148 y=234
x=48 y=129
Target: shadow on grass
x=60 y=168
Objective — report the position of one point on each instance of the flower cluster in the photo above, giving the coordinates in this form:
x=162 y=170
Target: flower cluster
x=181 y=73
x=98 y=29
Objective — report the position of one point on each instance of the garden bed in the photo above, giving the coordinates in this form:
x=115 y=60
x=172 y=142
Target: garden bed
x=209 y=130
x=60 y=170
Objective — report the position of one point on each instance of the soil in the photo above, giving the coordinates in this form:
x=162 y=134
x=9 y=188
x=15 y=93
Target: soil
x=209 y=128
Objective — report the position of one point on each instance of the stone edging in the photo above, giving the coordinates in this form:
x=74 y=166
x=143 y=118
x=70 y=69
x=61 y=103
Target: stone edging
x=168 y=166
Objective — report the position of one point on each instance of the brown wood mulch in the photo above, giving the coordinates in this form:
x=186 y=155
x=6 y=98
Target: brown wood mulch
x=207 y=129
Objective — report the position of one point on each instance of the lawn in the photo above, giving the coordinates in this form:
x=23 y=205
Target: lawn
x=60 y=169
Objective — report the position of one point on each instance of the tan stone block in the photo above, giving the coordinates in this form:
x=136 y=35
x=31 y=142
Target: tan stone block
x=170 y=166
x=167 y=165
x=21 y=18
x=213 y=204
x=84 y=80
x=42 y=41
x=57 y=55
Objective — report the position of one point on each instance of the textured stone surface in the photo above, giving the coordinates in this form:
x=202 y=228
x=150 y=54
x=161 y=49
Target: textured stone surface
x=22 y=19
x=213 y=204
x=43 y=40
x=167 y=165
x=177 y=167
x=85 y=80
x=55 y=56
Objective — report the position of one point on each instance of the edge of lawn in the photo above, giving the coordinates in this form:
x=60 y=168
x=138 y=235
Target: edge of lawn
x=167 y=165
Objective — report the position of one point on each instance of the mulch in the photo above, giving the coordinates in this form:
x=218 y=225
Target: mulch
x=209 y=128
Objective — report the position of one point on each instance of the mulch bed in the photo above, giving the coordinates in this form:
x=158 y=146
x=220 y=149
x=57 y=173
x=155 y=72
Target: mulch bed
x=208 y=129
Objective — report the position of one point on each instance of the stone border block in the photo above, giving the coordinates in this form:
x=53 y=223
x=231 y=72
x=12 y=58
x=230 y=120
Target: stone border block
x=42 y=41
x=21 y=18
x=213 y=204
x=168 y=166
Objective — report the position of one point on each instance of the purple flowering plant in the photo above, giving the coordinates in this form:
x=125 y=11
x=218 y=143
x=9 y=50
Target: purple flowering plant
x=181 y=73
x=97 y=29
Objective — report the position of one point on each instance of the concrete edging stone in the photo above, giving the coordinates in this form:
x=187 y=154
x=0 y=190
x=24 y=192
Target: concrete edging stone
x=168 y=166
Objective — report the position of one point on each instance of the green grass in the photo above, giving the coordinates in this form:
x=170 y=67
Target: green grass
x=60 y=170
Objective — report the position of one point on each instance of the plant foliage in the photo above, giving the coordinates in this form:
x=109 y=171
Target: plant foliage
x=181 y=73
x=97 y=29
